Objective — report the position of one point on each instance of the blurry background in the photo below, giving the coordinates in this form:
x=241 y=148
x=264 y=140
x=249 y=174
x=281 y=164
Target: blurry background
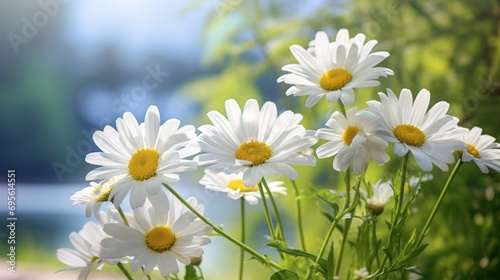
x=68 y=68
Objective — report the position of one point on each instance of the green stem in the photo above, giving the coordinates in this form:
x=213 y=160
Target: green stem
x=342 y=108
x=347 y=224
x=266 y=211
x=125 y=271
x=323 y=246
x=275 y=209
x=299 y=216
x=147 y=275
x=344 y=239
x=124 y=218
x=401 y=190
x=399 y=203
x=375 y=241
x=242 y=252
x=438 y=202
x=338 y=217
x=261 y=258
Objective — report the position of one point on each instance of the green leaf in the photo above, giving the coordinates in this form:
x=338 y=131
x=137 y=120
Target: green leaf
x=299 y=253
x=332 y=204
x=190 y=273
x=285 y=274
x=291 y=251
x=330 y=264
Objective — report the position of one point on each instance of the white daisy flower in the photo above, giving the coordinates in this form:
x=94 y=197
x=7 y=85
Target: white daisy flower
x=351 y=139
x=334 y=69
x=382 y=192
x=158 y=239
x=481 y=149
x=83 y=257
x=232 y=184
x=254 y=142
x=430 y=136
x=146 y=155
x=94 y=195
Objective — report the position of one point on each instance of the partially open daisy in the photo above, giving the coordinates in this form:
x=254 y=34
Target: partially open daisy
x=83 y=257
x=430 y=136
x=254 y=142
x=146 y=155
x=232 y=184
x=94 y=195
x=334 y=69
x=481 y=149
x=351 y=139
x=157 y=238
x=382 y=192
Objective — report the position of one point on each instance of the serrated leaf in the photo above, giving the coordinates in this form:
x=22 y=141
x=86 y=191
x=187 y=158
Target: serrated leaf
x=284 y=274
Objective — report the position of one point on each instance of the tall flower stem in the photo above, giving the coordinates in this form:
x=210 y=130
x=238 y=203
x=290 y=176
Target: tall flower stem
x=242 y=251
x=299 y=216
x=401 y=190
x=125 y=271
x=399 y=203
x=348 y=221
x=438 y=202
x=375 y=243
x=266 y=211
x=275 y=209
x=338 y=217
x=261 y=258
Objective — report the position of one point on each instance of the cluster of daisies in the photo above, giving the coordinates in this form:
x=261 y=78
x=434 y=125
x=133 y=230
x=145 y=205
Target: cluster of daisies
x=240 y=148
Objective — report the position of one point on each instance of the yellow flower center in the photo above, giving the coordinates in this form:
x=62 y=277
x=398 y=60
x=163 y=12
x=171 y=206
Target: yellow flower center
x=335 y=79
x=254 y=151
x=143 y=164
x=104 y=196
x=472 y=150
x=238 y=185
x=348 y=134
x=160 y=239
x=409 y=134
x=93 y=259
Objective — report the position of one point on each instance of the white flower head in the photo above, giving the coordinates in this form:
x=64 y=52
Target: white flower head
x=83 y=257
x=146 y=155
x=158 y=239
x=255 y=142
x=94 y=195
x=232 y=184
x=352 y=140
x=481 y=149
x=431 y=136
x=361 y=273
x=382 y=192
x=334 y=69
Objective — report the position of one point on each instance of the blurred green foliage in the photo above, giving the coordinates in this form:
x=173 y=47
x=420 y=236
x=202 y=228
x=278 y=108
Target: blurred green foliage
x=452 y=48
